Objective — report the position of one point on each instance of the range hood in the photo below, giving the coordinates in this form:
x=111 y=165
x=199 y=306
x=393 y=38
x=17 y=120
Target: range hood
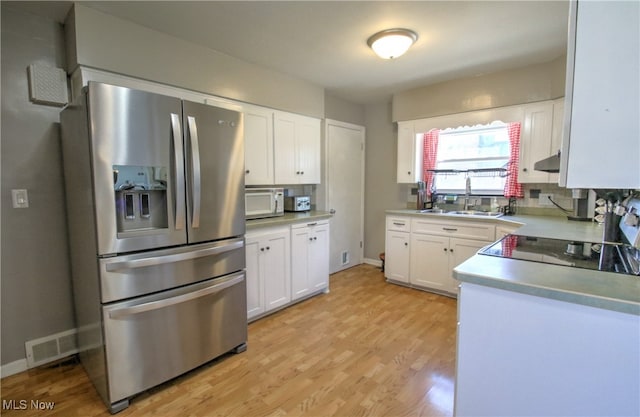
x=550 y=164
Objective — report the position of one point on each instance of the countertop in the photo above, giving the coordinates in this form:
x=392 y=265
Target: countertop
x=607 y=290
x=528 y=225
x=287 y=219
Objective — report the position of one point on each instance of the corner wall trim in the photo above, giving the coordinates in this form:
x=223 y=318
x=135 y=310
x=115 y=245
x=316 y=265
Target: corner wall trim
x=13 y=368
x=374 y=262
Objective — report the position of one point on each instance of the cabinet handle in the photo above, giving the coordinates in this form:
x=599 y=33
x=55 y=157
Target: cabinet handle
x=315 y=238
x=247 y=171
x=408 y=172
x=406 y=244
x=268 y=248
x=310 y=239
x=524 y=169
x=398 y=224
x=261 y=249
x=445 y=249
x=450 y=229
x=301 y=172
x=312 y=224
x=451 y=250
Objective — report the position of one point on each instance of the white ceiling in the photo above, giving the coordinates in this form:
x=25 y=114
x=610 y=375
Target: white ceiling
x=324 y=42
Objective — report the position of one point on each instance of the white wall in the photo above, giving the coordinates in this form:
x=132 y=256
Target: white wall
x=382 y=192
x=99 y=40
x=36 y=285
x=504 y=88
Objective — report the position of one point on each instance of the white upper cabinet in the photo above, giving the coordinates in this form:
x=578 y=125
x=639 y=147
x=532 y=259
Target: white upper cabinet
x=297 y=149
x=258 y=142
x=601 y=146
x=535 y=140
x=409 y=154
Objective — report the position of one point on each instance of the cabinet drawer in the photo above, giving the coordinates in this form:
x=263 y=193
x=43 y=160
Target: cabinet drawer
x=310 y=224
x=399 y=224
x=465 y=230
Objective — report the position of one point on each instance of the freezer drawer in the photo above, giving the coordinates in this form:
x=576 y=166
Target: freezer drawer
x=152 y=339
x=144 y=273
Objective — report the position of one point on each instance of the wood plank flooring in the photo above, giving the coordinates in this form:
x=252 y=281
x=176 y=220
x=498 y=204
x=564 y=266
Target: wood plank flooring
x=367 y=348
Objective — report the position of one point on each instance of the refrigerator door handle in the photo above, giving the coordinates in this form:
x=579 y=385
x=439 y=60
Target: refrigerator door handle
x=177 y=257
x=195 y=168
x=179 y=162
x=227 y=282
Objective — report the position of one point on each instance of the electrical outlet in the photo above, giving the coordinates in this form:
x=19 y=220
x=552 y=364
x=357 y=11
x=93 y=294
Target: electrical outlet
x=543 y=199
x=20 y=198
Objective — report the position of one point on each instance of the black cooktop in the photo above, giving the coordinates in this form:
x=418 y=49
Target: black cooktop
x=588 y=255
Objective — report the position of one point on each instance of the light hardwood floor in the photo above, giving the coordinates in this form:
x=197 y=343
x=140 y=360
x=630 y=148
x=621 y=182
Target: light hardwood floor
x=367 y=348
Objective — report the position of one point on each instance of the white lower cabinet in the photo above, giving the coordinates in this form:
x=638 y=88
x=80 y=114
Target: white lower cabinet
x=503 y=230
x=396 y=263
x=309 y=258
x=285 y=264
x=423 y=252
x=268 y=271
x=397 y=239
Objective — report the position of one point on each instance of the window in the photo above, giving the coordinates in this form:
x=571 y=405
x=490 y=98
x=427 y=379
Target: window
x=480 y=147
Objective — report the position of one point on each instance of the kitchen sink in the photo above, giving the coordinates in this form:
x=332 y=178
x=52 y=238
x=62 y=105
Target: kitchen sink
x=461 y=212
x=434 y=211
x=476 y=213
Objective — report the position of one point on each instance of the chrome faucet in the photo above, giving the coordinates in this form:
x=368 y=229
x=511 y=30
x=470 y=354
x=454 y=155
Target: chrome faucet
x=467 y=193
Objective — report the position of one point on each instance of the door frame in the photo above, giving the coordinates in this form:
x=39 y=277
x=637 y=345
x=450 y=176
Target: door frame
x=322 y=191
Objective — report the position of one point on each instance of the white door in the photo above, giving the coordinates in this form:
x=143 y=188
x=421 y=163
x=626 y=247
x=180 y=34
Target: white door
x=258 y=155
x=299 y=262
x=255 y=285
x=318 y=258
x=429 y=262
x=275 y=251
x=396 y=266
x=344 y=179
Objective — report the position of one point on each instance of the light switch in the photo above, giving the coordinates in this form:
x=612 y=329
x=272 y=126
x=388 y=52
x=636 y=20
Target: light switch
x=20 y=198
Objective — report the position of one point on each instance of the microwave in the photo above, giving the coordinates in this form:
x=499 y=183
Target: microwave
x=263 y=202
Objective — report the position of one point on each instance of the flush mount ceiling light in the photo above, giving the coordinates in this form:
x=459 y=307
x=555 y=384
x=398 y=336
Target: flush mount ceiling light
x=392 y=43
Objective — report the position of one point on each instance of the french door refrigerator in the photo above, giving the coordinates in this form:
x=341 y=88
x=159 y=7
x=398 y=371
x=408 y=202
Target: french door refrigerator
x=155 y=205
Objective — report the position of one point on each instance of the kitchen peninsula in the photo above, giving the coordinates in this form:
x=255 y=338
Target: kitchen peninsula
x=546 y=339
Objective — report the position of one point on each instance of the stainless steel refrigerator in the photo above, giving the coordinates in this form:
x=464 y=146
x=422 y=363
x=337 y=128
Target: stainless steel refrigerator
x=155 y=206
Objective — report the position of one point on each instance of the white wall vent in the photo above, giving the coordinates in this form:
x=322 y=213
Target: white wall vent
x=50 y=348
x=48 y=85
x=345 y=257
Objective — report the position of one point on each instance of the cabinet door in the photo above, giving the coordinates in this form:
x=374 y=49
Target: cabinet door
x=409 y=154
x=319 y=258
x=502 y=231
x=396 y=264
x=308 y=150
x=300 y=262
x=258 y=145
x=429 y=262
x=557 y=127
x=275 y=251
x=459 y=251
x=535 y=141
x=255 y=285
x=284 y=140
x=604 y=130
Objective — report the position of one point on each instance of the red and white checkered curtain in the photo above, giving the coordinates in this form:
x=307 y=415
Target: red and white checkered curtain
x=512 y=188
x=429 y=157
x=509 y=243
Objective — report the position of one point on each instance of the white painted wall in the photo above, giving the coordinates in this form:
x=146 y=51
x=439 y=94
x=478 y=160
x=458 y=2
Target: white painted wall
x=99 y=40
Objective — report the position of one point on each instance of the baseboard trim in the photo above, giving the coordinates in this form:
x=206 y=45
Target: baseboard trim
x=374 y=262
x=13 y=368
